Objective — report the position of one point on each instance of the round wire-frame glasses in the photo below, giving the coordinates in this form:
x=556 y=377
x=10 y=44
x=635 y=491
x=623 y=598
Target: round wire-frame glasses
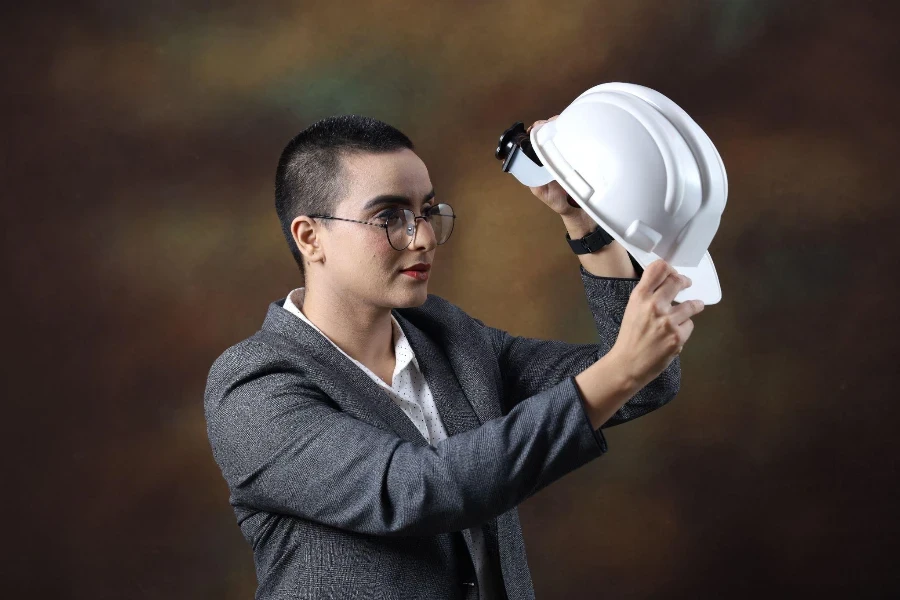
x=411 y=222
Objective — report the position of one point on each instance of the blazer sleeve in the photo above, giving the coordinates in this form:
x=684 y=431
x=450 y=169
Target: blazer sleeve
x=530 y=364
x=285 y=447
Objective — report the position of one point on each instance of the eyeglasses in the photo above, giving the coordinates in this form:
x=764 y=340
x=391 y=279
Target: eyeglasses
x=401 y=224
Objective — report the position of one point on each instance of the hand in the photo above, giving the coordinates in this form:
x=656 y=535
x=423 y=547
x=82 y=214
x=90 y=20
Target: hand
x=552 y=194
x=653 y=331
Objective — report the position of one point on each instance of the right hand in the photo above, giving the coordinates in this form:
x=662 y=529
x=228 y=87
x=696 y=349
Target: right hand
x=653 y=331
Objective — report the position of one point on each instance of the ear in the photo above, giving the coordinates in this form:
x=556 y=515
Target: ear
x=309 y=239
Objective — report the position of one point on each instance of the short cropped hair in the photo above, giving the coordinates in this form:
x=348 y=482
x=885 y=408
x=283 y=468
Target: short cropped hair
x=310 y=175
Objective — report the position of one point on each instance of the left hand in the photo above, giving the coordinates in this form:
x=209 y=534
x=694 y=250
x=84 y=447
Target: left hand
x=552 y=194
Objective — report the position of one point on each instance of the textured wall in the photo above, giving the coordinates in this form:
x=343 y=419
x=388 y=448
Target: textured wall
x=140 y=240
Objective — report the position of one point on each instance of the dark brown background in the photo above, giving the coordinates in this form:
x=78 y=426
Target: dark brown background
x=140 y=240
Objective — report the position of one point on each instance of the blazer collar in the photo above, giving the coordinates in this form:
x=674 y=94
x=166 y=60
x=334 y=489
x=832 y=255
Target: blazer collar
x=441 y=351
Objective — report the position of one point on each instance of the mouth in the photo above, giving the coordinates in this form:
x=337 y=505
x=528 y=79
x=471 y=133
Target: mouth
x=419 y=275
x=419 y=272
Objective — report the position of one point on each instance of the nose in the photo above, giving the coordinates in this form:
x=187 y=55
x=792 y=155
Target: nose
x=428 y=239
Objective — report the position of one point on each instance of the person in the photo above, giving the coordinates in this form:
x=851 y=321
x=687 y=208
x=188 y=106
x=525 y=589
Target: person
x=375 y=438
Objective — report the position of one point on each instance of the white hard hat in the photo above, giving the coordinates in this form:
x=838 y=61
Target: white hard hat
x=642 y=169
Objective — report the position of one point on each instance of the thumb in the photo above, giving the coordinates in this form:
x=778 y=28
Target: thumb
x=535 y=124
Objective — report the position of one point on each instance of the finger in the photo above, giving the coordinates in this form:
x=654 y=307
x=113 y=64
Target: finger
x=673 y=284
x=654 y=274
x=535 y=124
x=685 y=330
x=541 y=122
x=685 y=311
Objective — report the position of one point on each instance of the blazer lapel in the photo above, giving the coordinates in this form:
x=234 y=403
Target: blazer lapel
x=454 y=408
x=338 y=376
x=460 y=351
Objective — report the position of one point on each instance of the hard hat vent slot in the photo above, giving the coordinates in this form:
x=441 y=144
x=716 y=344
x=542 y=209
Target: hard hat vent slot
x=642 y=235
x=569 y=175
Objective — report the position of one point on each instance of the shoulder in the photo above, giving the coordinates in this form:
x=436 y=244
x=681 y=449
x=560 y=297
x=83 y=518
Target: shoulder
x=245 y=360
x=249 y=351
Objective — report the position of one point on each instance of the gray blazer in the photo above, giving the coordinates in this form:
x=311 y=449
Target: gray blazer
x=339 y=494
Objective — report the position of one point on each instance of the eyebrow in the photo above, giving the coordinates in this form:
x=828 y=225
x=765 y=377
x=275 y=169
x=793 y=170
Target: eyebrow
x=385 y=199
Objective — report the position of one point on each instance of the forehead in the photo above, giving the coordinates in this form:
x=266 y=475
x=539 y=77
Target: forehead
x=390 y=173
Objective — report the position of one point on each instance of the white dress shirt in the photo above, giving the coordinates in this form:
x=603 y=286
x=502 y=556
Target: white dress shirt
x=411 y=393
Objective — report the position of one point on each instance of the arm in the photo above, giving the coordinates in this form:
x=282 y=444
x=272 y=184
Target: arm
x=285 y=447
x=529 y=364
x=610 y=261
x=609 y=276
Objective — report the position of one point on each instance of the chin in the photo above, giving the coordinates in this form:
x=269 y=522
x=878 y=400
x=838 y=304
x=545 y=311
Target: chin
x=413 y=298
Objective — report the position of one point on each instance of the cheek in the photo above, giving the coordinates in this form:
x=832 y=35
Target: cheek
x=373 y=252
x=380 y=252
x=376 y=258
x=384 y=258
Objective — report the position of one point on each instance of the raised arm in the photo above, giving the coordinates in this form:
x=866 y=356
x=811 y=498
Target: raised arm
x=531 y=364
x=284 y=447
x=609 y=276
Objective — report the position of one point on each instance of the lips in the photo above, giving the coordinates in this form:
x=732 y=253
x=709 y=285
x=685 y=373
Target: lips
x=417 y=267
x=418 y=271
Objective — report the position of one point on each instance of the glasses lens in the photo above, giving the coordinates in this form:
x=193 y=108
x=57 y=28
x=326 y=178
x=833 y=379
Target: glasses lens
x=441 y=219
x=401 y=225
x=400 y=228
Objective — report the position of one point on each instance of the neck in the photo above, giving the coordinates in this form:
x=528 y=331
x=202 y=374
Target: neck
x=363 y=331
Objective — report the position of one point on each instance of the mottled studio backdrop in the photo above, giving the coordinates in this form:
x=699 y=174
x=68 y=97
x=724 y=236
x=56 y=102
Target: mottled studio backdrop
x=140 y=240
